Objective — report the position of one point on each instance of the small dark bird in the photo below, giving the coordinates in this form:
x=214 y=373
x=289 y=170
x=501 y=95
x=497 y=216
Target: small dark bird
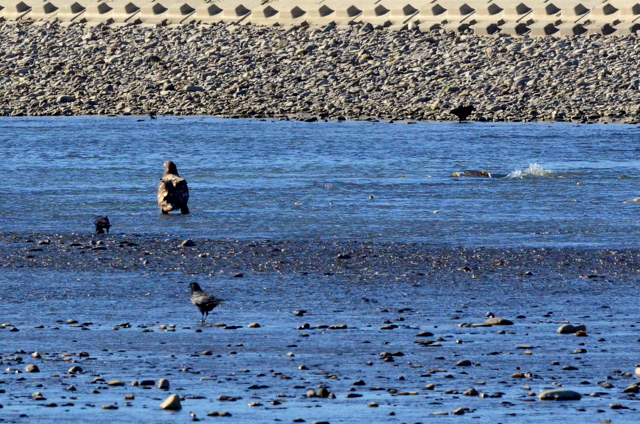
x=173 y=192
x=462 y=112
x=102 y=223
x=203 y=300
x=153 y=116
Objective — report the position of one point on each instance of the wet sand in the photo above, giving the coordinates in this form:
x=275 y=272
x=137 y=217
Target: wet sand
x=385 y=331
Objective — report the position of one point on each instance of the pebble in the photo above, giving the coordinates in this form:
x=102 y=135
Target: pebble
x=172 y=403
x=570 y=329
x=559 y=394
x=31 y=368
x=219 y=414
x=497 y=321
x=616 y=405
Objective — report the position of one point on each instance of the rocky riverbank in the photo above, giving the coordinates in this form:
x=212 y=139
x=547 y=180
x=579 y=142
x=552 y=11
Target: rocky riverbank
x=100 y=328
x=358 y=72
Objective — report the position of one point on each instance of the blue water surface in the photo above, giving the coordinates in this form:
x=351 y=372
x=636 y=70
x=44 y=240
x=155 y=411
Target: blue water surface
x=554 y=184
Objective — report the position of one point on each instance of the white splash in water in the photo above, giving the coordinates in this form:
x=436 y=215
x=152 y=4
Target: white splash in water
x=533 y=169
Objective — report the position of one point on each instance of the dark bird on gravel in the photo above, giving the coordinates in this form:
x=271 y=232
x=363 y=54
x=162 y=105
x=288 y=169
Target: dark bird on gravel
x=462 y=112
x=102 y=223
x=173 y=192
x=203 y=300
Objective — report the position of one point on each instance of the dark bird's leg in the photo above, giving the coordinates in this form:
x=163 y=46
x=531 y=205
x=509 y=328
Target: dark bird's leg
x=184 y=210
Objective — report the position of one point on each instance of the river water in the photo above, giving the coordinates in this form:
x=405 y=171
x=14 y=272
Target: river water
x=553 y=184
x=272 y=205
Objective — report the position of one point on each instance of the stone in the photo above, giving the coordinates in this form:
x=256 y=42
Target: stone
x=632 y=388
x=66 y=99
x=219 y=414
x=616 y=405
x=471 y=392
x=75 y=369
x=570 y=329
x=559 y=394
x=31 y=368
x=172 y=403
x=497 y=320
x=163 y=384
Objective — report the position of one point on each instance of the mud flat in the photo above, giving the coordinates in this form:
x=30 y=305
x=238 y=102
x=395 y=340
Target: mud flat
x=357 y=72
x=313 y=331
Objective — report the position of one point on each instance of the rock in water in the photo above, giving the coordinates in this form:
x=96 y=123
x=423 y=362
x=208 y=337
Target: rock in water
x=172 y=403
x=560 y=394
x=571 y=329
x=173 y=192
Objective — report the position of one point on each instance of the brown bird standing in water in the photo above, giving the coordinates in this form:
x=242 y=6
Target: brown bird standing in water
x=173 y=192
x=203 y=300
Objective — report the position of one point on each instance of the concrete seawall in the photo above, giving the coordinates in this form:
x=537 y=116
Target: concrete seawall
x=532 y=17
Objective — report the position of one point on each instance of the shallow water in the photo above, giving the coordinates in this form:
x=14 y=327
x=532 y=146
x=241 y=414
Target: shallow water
x=349 y=180
x=246 y=357
x=312 y=188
